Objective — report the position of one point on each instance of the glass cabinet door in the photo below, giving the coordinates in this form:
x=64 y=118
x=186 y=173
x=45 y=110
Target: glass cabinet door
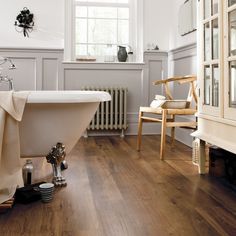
x=232 y=54
x=210 y=59
x=232 y=33
x=230 y=59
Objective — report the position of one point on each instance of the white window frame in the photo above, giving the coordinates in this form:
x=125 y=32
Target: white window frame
x=135 y=21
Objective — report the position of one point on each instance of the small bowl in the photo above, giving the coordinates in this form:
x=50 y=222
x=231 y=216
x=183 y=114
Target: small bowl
x=46 y=186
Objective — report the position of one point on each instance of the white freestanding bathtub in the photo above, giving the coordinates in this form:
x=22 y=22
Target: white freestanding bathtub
x=56 y=116
x=52 y=123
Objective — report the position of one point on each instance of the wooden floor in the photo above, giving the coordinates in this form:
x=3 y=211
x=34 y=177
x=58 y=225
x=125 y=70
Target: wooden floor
x=114 y=190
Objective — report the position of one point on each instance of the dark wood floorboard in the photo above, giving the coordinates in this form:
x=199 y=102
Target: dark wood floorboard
x=113 y=190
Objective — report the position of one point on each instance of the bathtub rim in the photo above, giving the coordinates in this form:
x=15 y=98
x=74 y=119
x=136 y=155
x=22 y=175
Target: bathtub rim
x=66 y=96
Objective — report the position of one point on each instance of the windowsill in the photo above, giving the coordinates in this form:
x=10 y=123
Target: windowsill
x=103 y=63
x=81 y=65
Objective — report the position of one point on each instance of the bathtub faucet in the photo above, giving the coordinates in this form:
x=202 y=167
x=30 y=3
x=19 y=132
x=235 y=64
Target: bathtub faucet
x=5 y=78
x=3 y=60
x=8 y=80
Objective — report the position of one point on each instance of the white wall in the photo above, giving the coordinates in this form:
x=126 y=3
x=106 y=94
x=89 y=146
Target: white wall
x=161 y=25
x=157 y=22
x=49 y=23
x=175 y=39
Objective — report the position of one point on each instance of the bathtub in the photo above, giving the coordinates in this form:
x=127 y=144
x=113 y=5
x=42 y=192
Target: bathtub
x=56 y=116
x=53 y=122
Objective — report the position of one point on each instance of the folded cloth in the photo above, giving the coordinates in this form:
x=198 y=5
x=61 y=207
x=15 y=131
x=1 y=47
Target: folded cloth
x=157 y=103
x=11 y=111
x=159 y=97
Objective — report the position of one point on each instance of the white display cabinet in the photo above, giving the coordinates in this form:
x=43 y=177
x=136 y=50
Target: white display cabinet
x=216 y=75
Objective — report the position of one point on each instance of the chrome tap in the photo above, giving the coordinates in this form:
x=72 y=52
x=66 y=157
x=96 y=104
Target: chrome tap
x=5 y=78
x=3 y=60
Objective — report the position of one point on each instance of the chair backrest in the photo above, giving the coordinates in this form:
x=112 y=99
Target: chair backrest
x=191 y=79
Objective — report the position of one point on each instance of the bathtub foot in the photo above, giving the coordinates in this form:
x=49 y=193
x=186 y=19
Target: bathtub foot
x=64 y=165
x=56 y=157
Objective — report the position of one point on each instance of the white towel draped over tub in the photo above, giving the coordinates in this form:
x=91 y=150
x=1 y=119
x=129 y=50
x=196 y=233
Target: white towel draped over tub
x=12 y=106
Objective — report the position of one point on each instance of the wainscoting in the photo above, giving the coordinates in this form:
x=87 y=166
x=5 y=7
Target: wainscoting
x=37 y=69
x=44 y=69
x=130 y=75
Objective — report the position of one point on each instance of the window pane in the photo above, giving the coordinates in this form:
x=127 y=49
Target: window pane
x=110 y=1
x=207 y=12
x=232 y=2
x=207 y=85
x=215 y=85
x=81 y=31
x=96 y=50
x=102 y=1
x=81 y=50
x=81 y=11
x=123 y=1
x=123 y=32
x=101 y=50
x=214 y=7
x=123 y=13
x=102 y=12
x=232 y=72
x=215 y=39
x=102 y=31
x=207 y=42
x=232 y=33
x=110 y=52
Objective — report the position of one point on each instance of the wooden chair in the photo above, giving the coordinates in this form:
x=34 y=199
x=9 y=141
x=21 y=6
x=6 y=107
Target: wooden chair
x=167 y=112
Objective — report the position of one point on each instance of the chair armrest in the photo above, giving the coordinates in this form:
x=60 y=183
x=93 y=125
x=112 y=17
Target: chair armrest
x=180 y=80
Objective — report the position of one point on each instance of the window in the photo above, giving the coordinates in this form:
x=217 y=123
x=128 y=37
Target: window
x=100 y=25
x=97 y=27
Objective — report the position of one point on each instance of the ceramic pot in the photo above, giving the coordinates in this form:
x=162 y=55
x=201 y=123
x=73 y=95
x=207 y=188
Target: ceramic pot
x=122 y=54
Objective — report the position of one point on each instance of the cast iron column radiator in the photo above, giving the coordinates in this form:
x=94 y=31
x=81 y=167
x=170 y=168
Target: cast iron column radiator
x=111 y=115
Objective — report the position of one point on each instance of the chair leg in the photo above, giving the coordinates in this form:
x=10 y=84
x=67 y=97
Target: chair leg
x=140 y=126
x=163 y=134
x=173 y=133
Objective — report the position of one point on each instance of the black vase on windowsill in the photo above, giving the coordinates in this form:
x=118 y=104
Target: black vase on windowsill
x=122 y=54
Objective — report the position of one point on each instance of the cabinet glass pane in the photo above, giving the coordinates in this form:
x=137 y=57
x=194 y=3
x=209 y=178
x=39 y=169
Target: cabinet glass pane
x=207 y=44
x=232 y=33
x=232 y=74
x=232 y=2
x=214 y=7
x=215 y=39
x=207 y=85
x=215 y=85
x=207 y=8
